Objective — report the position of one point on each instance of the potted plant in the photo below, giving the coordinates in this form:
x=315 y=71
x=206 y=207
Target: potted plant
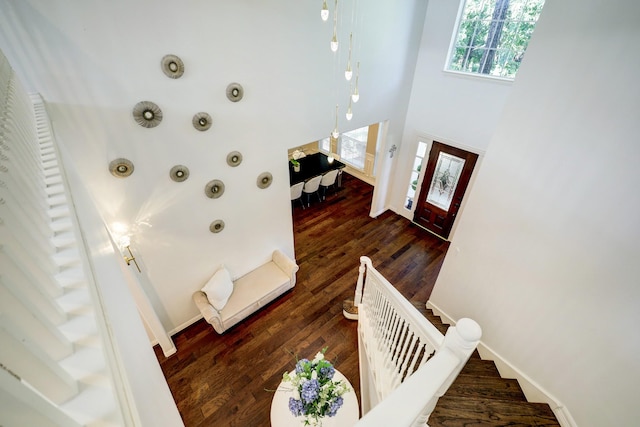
x=296 y=165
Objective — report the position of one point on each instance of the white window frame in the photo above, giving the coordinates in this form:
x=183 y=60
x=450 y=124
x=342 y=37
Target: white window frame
x=452 y=44
x=346 y=157
x=422 y=151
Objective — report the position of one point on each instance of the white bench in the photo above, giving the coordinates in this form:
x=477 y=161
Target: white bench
x=251 y=292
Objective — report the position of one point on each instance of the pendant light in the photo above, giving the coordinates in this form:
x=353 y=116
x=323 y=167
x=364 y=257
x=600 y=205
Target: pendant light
x=324 y=13
x=349 y=114
x=334 y=39
x=355 y=96
x=349 y=72
x=335 y=132
x=334 y=42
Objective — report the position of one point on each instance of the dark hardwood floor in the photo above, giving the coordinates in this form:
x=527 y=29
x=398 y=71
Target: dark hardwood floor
x=224 y=380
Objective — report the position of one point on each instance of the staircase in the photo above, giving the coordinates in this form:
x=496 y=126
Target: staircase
x=72 y=349
x=481 y=397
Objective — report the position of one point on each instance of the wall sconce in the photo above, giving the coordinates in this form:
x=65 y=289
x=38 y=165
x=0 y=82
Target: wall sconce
x=125 y=242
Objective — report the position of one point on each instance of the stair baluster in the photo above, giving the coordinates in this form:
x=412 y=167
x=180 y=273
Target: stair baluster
x=404 y=359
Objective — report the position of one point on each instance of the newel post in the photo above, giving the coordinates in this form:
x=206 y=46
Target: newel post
x=461 y=340
x=350 y=308
x=357 y=299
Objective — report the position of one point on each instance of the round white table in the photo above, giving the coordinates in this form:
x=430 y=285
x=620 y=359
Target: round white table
x=281 y=416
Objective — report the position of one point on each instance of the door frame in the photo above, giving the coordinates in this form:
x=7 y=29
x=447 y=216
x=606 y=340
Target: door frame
x=429 y=139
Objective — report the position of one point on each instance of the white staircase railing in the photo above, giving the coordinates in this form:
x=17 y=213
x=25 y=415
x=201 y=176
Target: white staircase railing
x=406 y=364
x=72 y=349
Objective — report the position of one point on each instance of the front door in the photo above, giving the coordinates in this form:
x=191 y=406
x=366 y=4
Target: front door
x=446 y=176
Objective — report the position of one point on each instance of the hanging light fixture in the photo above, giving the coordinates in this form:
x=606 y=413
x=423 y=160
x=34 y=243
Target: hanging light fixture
x=349 y=112
x=335 y=133
x=334 y=39
x=355 y=96
x=324 y=13
x=349 y=72
x=334 y=42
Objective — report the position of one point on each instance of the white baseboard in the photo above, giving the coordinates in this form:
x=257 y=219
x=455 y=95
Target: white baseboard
x=378 y=213
x=171 y=352
x=174 y=331
x=445 y=318
x=167 y=353
x=564 y=417
x=360 y=175
x=532 y=390
x=184 y=325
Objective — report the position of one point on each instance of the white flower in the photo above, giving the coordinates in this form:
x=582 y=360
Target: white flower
x=322 y=393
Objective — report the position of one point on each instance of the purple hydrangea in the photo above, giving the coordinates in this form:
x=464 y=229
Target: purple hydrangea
x=309 y=391
x=335 y=405
x=327 y=372
x=296 y=407
x=300 y=365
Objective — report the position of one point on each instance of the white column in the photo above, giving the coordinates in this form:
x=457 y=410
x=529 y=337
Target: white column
x=146 y=311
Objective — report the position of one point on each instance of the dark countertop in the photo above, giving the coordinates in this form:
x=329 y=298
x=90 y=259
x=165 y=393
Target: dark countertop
x=312 y=165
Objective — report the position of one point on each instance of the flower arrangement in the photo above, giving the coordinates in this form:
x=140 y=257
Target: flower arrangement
x=316 y=393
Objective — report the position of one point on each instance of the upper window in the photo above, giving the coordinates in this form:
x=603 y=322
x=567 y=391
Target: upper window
x=492 y=36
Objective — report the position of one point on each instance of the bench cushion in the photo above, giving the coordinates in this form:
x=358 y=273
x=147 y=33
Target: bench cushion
x=250 y=292
x=253 y=291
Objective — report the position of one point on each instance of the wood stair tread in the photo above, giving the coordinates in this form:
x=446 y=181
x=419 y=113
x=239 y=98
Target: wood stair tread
x=481 y=397
x=486 y=387
x=428 y=313
x=470 y=412
x=479 y=367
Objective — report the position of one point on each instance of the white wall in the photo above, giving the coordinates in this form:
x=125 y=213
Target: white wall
x=545 y=257
x=93 y=61
x=451 y=108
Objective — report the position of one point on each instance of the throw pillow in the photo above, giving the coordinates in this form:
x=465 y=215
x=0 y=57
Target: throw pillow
x=219 y=288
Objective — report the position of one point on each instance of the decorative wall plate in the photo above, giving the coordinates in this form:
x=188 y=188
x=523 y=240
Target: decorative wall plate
x=235 y=92
x=214 y=189
x=264 y=180
x=121 y=168
x=179 y=173
x=147 y=114
x=172 y=66
x=216 y=226
x=201 y=121
x=234 y=158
